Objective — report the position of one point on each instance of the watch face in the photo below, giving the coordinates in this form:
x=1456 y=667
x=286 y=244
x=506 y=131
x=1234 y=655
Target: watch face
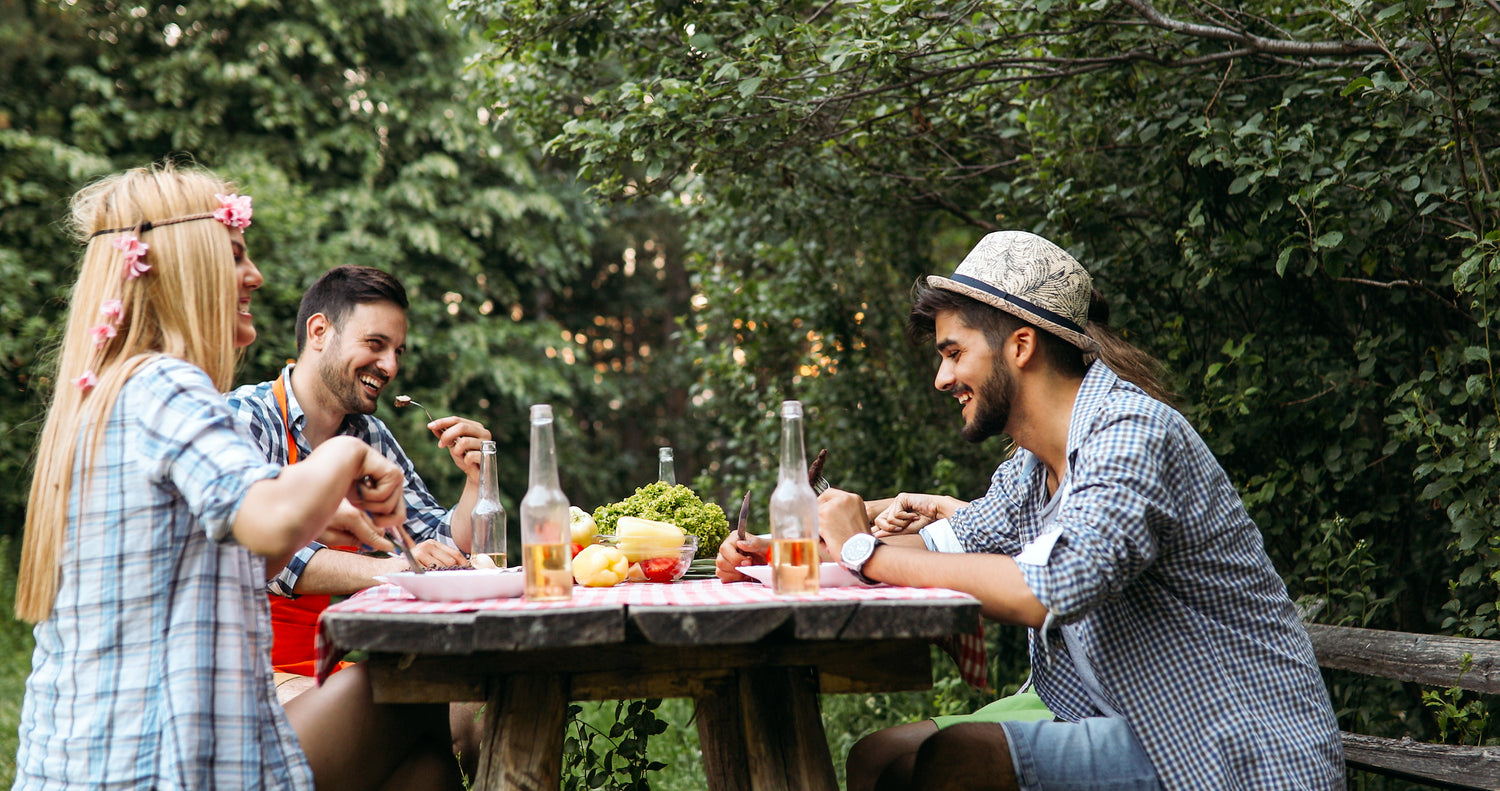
x=857 y=550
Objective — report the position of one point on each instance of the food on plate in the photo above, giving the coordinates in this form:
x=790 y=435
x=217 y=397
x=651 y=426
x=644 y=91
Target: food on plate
x=482 y=561
x=599 y=566
x=676 y=504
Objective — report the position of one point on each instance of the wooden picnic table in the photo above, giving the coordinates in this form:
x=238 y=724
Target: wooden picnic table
x=753 y=662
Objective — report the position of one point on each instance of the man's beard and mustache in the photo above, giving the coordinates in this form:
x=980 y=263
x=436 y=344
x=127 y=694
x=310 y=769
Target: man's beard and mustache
x=992 y=404
x=349 y=393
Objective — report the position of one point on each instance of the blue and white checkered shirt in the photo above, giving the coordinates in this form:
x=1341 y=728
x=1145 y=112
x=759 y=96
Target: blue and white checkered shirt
x=1188 y=628
x=257 y=410
x=154 y=669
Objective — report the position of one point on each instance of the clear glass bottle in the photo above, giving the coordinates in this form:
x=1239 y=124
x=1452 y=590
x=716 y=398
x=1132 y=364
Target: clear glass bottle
x=666 y=472
x=488 y=517
x=545 y=528
x=794 y=513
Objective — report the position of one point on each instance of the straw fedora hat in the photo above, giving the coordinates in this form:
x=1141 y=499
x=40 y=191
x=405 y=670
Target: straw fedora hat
x=1028 y=277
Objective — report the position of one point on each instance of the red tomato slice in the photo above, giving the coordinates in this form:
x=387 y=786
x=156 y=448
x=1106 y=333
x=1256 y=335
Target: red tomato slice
x=659 y=569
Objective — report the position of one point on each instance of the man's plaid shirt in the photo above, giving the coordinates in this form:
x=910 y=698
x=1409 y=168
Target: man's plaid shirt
x=257 y=410
x=1188 y=627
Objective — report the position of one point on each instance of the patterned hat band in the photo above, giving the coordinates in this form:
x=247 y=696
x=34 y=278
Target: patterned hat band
x=1030 y=278
x=1056 y=318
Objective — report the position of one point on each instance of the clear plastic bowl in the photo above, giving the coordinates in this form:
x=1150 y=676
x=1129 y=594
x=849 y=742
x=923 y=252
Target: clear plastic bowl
x=654 y=564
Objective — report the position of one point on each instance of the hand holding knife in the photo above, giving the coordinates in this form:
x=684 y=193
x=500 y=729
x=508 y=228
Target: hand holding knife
x=814 y=478
x=405 y=544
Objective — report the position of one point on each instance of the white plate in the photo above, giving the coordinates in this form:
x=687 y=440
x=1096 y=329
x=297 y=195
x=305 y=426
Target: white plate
x=830 y=575
x=460 y=584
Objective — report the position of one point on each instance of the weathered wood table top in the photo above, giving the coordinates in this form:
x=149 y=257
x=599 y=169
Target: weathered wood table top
x=754 y=662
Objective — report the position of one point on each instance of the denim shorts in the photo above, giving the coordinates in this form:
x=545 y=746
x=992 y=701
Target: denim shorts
x=1094 y=754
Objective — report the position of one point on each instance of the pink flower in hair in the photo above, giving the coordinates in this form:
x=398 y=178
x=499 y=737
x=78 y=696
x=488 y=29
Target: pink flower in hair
x=234 y=210
x=102 y=333
x=112 y=309
x=87 y=381
x=134 y=250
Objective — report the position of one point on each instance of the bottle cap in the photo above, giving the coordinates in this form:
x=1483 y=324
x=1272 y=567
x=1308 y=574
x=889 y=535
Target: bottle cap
x=541 y=412
x=791 y=409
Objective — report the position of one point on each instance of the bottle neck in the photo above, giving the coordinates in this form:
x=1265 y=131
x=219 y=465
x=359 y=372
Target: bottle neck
x=666 y=472
x=793 y=456
x=543 y=456
x=489 y=485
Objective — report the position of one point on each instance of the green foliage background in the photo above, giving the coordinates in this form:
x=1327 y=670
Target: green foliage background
x=1294 y=205
x=665 y=216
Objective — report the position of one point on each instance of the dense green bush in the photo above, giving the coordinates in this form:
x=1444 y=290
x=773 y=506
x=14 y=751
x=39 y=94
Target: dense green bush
x=1295 y=205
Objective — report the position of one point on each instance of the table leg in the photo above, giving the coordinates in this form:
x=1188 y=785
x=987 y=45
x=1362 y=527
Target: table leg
x=524 y=722
x=786 y=747
x=721 y=734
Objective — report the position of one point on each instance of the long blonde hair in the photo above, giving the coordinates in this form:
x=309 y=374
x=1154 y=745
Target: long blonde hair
x=183 y=307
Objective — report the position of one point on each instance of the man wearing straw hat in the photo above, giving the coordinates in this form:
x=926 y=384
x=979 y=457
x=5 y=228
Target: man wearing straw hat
x=1160 y=634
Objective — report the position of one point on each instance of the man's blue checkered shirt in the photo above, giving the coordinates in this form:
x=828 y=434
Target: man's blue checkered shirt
x=257 y=410
x=1188 y=627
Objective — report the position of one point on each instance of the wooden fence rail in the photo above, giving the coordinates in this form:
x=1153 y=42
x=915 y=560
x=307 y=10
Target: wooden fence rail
x=1425 y=659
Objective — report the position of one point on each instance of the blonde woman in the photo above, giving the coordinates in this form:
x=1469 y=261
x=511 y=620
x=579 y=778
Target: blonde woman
x=150 y=519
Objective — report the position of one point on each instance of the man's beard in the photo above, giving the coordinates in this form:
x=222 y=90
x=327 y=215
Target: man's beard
x=346 y=391
x=992 y=402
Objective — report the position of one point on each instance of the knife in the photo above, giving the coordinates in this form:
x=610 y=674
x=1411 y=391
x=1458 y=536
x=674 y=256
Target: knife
x=404 y=543
x=744 y=516
x=406 y=546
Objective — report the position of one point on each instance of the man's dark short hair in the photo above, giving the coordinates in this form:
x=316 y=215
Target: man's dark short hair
x=996 y=325
x=340 y=290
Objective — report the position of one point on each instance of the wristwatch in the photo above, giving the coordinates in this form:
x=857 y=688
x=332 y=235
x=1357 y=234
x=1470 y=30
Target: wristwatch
x=856 y=553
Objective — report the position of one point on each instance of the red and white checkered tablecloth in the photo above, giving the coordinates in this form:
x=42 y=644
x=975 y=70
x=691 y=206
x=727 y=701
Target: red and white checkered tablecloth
x=967 y=650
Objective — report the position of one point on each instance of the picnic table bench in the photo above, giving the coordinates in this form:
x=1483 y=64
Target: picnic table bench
x=1431 y=660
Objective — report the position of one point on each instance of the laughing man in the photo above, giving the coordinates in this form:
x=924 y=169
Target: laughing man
x=1161 y=636
x=351 y=333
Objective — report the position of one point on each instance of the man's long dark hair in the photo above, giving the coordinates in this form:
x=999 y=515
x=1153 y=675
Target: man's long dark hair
x=1130 y=363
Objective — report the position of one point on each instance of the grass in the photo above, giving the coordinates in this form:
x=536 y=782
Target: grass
x=846 y=718
x=15 y=663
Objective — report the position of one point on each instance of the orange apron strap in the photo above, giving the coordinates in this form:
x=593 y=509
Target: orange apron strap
x=294 y=622
x=291 y=442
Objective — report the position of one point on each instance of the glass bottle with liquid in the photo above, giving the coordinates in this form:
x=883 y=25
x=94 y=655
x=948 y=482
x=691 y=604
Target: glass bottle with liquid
x=545 y=529
x=794 y=513
x=666 y=472
x=488 y=517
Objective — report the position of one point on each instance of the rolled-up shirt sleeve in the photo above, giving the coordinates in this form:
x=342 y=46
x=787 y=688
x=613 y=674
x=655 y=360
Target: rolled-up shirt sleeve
x=993 y=522
x=1110 y=521
x=286 y=580
x=191 y=439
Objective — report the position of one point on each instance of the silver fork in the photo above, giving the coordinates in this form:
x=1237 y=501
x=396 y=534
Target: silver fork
x=407 y=401
x=815 y=472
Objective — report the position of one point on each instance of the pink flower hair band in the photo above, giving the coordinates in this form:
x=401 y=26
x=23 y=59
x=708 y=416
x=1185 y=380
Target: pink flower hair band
x=234 y=211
